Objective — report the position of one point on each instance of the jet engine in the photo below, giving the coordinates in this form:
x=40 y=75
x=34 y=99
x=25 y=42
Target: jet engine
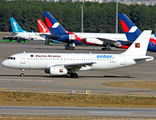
x=58 y=70
x=118 y=45
x=93 y=41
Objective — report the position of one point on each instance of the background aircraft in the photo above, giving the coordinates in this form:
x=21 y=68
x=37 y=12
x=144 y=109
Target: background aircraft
x=103 y=39
x=60 y=34
x=22 y=34
x=67 y=63
x=132 y=32
x=44 y=29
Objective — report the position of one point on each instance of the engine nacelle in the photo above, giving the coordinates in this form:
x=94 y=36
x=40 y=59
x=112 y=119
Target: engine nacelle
x=94 y=41
x=118 y=45
x=58 y=71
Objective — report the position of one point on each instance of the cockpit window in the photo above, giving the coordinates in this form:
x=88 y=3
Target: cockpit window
x=12 y=58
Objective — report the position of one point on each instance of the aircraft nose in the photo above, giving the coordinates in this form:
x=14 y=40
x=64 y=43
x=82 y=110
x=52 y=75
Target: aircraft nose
x=5 y=63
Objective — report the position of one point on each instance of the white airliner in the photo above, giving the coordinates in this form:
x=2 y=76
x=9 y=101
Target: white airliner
x=68 y=63
x=22 y=34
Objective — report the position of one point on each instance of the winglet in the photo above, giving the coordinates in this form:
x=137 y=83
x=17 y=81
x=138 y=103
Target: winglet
x=15 y=26
x=139 y=46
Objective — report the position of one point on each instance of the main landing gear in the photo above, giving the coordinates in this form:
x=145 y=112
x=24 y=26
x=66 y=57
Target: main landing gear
x=107 y=47
x=22 y=73
x=70 y=46
x=73 y=75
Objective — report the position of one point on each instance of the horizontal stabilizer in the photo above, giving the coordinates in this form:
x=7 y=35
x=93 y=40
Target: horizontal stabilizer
x=143 y=59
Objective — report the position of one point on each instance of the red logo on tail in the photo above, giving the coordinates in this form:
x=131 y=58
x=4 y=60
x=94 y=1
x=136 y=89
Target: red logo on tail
x=137 y=45
x=42 y=27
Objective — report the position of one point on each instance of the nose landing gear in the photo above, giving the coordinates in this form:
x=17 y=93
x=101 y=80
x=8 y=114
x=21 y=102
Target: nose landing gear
x=22 y=73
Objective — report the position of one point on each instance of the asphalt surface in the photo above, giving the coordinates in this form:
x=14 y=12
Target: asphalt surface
x=77 y=111
x=37 y=80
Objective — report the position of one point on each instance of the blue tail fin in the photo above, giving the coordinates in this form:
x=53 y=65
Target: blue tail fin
x=15 y=26
x=131 y=30
x=53 y=25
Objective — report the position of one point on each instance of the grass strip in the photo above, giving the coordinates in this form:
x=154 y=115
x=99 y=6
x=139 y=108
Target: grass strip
x=133 y=84
x=27 y=117
x=78 y=100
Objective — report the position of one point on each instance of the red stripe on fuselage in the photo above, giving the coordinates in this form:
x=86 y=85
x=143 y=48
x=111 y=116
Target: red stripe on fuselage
x=153 y=41
x=76 y=37
x=89 y=43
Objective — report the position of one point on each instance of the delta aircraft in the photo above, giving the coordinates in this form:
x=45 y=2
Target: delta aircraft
x=68 y=63
x=132 y=32
x=22 y=34
x=102 y=39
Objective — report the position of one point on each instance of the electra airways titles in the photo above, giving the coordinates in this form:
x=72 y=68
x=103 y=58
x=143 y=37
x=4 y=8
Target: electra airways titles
x=68 y=63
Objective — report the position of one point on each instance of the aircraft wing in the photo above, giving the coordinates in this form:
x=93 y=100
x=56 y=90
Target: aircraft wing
x=51 y=36
x=76 y=65
x=110 y=41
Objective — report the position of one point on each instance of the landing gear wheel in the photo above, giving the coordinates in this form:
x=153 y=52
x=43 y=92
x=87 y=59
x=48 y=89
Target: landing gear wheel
x=108 y=49
x=103 y=48
x=22 y=74
x=73 y=75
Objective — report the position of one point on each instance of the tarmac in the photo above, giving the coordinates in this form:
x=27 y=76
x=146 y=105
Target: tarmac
x=38 y=80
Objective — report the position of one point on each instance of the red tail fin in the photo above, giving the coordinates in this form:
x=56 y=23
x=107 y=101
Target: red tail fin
x=42 y=27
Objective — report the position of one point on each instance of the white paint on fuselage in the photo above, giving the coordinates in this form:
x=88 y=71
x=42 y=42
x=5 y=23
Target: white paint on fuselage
x=109 y=36
x=29 y=35
x=43 y=61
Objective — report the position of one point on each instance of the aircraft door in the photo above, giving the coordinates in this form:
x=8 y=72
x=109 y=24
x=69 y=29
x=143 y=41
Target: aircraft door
x=122 y=60
x=22 y=59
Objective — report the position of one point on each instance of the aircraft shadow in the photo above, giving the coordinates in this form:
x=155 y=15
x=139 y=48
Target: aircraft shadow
x=67 y=76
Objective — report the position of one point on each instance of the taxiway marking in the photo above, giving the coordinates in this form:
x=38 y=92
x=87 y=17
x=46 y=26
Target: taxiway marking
x=28 y=80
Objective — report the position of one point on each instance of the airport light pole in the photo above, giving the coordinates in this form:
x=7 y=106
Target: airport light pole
x=81 y=18
x=116 y=16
